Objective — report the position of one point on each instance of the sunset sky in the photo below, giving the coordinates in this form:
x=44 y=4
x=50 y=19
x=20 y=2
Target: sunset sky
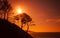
x=45 y=14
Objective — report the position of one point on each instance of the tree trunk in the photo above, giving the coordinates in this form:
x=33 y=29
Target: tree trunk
x=0 y=15
x=4 y=15
x=7 y=16
x=21 y=25
x=27 y=27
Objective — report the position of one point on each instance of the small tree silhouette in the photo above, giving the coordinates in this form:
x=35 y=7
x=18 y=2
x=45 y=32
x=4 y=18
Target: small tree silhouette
x=6 y=7
x=26 y=20
x=0 y=8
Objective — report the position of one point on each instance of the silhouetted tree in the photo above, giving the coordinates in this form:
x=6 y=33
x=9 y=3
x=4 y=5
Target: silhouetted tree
x=26 y=20
x=6 y=7
x=0 y=8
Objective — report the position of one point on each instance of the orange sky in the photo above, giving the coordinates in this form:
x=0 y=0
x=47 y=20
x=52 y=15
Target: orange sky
x=45 y=14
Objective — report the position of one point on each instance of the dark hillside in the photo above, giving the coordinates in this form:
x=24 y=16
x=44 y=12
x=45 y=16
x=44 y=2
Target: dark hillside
x=9 y=30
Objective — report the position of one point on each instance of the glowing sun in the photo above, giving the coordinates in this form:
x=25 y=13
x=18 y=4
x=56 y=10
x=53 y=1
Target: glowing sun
x=19 y=11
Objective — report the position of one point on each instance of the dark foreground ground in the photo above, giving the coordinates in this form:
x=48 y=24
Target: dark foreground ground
x=9 y=30
x=46 y=34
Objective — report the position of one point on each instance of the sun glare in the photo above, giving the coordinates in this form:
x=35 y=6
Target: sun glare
x=19 y=11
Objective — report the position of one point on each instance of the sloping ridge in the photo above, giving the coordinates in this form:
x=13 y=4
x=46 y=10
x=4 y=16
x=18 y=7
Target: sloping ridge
x=9 y=30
